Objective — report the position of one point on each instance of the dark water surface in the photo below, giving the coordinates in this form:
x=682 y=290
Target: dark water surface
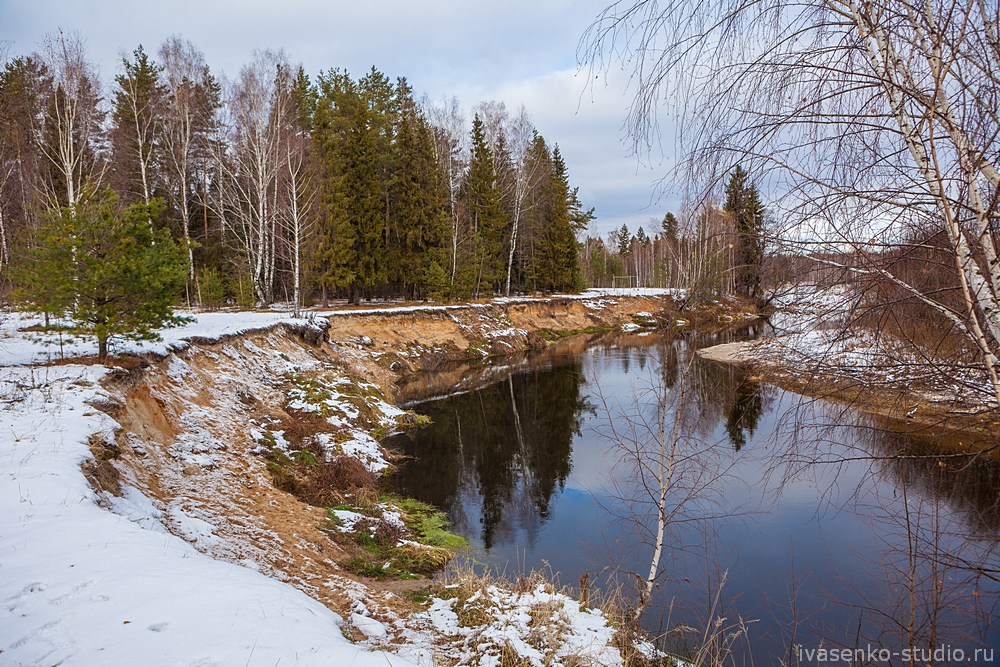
x=824 y=527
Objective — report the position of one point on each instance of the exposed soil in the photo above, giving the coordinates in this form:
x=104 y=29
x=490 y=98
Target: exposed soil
x=188 y=421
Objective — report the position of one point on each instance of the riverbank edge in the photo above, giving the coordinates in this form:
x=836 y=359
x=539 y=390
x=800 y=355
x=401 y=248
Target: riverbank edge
x=971 y=428
x=374 y=345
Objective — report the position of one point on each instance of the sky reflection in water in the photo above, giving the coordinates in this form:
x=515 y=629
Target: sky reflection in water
x=526 y=471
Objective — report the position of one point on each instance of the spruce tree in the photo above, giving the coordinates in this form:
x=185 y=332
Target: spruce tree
x=747 y=212
x=481 y=194
x=419 y=204
x=669 y=226
x=623 y=240
x=559 y=249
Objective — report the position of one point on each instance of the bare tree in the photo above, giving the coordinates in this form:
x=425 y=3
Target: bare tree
x=520 y=133
x=667 y=472
x=137 y=128
x=450 y=139
x=191 y=106
x=72 y=120
x=868 y=119
x=259 y=102
x=298 y=192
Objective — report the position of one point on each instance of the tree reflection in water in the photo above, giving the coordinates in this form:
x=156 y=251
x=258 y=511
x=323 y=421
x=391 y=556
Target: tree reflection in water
x=511 y=441
x=831 y=553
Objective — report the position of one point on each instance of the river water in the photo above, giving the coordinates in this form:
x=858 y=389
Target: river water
x=815 y=525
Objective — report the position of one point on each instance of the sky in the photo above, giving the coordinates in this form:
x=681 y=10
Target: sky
x=519 y=52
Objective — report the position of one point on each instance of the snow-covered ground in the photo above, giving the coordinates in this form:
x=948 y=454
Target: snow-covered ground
x=87 y=578
x=20 y=347
x=811 y=336
x=81 y=585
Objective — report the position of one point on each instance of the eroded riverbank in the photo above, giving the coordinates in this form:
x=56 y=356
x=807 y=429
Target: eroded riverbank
x=213 y=440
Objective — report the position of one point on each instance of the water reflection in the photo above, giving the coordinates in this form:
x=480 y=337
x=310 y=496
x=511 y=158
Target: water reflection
x=828 y=526
x=508 y=443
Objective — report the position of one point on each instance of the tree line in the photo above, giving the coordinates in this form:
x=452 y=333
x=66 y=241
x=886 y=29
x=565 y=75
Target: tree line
x=275 y=186
x=718 y=248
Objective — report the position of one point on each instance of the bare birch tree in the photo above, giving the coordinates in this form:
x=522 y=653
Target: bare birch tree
x=72 y=119
x=450 y=139
x=258 y=104
x=188 y=121
x=520 y=133
x=138 y=121
x=868 y=119
x=298 y=191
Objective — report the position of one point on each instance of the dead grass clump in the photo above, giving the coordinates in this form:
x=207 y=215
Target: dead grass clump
x=509 y=657
x=103 y=476
x=387 y=534
x=422 y=559
x=326 y=483
x=474 y=612
x=300 y=427
x=547 y=626
x=102 y=449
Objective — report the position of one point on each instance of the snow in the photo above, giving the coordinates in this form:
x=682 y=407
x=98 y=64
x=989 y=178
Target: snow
x=676 y=292
x=87 y=577
x=348 y=519
x=82 y=586
x=514 y=620
x=812 y=336
x=18 y=348
x=359 y=445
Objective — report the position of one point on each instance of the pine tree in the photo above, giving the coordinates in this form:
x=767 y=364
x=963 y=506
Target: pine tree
x=105 y=268
x=136 y=135
x=623 y=240
x=747 y=212
x=22 y=85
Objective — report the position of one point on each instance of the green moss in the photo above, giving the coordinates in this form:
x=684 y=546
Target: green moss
x=311 y=390
x=367 y=568
x=427 y=523
x=424 y=524
x=267 y=438
x=306 y=457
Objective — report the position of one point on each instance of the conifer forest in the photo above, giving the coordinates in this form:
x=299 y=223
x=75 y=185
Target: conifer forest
x=279 y=186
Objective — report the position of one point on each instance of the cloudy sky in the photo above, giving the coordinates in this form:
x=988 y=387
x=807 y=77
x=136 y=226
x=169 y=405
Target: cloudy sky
x=520 y=52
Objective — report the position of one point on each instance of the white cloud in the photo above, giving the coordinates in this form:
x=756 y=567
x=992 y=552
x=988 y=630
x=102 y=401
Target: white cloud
x=522 y=51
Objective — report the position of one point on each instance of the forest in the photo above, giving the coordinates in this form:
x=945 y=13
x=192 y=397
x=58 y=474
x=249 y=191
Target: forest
x=277 y=186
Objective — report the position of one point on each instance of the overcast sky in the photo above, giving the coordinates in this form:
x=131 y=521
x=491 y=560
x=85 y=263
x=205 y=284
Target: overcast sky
x=520 y=51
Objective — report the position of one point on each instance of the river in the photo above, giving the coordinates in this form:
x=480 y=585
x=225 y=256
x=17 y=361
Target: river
x=814 y=524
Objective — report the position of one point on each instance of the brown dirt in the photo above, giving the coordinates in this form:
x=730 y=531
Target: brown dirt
x=209 y=393
x=421 y=339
